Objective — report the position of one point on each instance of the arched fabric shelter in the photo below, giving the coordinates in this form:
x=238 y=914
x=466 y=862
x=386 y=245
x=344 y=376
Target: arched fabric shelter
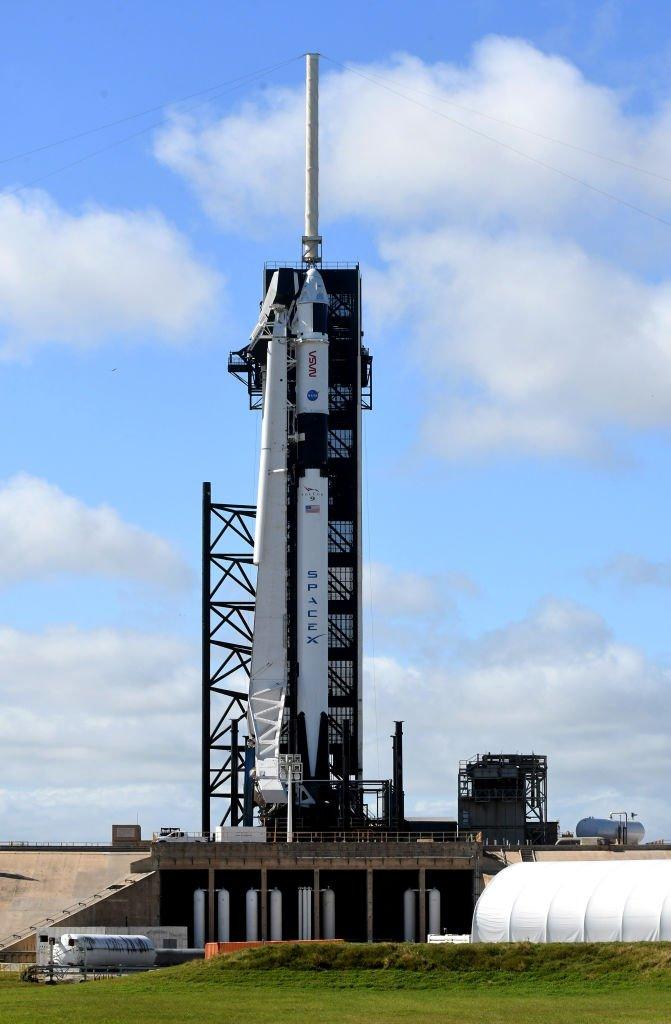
x=577 y=901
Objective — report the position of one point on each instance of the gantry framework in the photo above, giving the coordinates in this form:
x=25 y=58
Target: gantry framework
x=228 y=580
x=227 y=628
x=504 y=797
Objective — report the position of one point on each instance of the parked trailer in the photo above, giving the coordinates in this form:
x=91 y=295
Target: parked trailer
x=104 y=951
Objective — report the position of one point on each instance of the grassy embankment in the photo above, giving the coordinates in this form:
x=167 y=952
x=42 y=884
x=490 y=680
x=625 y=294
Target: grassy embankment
x=383 y=984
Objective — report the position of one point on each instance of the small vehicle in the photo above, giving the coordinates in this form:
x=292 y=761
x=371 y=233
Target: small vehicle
x=177 y=835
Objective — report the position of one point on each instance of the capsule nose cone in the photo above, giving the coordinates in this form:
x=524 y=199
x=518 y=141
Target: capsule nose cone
x=313 y=289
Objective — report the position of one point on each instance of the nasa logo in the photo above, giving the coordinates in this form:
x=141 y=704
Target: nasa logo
x=312 y=363
x=313 y=395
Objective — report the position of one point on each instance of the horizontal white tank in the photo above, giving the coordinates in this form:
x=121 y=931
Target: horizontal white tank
x=577 y=901
x=611 y=831
x=109 y=951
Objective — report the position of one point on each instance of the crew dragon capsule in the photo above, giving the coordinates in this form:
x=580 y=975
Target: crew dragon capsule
x=293 y=325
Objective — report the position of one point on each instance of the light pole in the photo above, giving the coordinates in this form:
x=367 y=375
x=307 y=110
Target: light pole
x=291 y=770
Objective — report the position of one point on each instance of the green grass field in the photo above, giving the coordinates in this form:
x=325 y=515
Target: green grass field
x=381 y=984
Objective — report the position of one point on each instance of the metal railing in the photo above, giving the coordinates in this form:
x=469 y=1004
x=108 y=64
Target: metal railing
x=51 y=845
x=49 y=922
x=324 y=265
x=367 y=836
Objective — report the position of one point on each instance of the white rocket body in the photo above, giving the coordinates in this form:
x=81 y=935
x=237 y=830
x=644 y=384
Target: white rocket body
x=312 y=406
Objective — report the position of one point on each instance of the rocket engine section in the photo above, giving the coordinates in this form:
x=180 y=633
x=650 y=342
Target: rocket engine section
x=309 y=325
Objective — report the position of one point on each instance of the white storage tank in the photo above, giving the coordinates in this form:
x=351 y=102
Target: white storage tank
x=434 y=911
x=223 y=915
x=108 y=951
x=252 y=915
x=611 y=831
x=409 y=915
x=305 y=912
x=328 y=914
x=577 y=901
x=276 y=915
x=199 y=918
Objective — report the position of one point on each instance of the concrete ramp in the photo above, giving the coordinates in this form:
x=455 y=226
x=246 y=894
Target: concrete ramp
x=38 y=886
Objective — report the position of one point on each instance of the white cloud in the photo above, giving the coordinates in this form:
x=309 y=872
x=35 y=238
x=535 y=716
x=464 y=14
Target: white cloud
x=80 y=278
x=115 y=714
x=633 y=571
x=387 y=159
x=398 y=593
x=44 y=532
x=557 y=683
x=101 y=724
x=532 y=345
x=86 y=813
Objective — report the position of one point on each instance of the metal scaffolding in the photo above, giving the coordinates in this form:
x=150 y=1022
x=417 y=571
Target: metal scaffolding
x=504 y=797
x=227 y=628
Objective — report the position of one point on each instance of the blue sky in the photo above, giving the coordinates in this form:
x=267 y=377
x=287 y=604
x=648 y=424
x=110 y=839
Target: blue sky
x=518 y=451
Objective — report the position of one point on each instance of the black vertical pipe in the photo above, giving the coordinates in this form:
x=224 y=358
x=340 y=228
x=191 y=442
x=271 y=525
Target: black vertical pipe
x=346 y=746
x=205 y=659
x=394 y=773
x=248 y=811
x=398 y=774
x=235 y=754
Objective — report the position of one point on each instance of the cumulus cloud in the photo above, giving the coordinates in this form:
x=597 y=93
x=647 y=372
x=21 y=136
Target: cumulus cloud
x=397 y=593
x=536 y=345
x=85 y=813
x=533 y=344
x=113 y=714
x=45 y=532
x=633 y=571
x=557 y=682
x=385 y=155
x=80 y=278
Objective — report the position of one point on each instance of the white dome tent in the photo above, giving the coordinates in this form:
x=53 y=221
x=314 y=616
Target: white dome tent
x=577 y=901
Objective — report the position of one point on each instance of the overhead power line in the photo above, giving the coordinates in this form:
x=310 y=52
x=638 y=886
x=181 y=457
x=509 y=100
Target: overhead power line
x=504 y=145
x=239 y=82
x=518 y=127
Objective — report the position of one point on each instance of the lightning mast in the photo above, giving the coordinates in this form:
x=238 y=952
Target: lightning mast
x=311 y=240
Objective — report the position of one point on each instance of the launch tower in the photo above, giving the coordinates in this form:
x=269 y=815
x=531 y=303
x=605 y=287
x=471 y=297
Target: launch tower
x=282 y=672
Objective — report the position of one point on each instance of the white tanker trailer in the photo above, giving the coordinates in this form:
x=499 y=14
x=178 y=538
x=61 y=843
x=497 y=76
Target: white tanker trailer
x=104 y=951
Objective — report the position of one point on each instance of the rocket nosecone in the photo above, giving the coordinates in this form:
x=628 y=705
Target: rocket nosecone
x=309 y=325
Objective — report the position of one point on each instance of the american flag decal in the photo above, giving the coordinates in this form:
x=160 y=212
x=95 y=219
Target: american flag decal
x=313 y=508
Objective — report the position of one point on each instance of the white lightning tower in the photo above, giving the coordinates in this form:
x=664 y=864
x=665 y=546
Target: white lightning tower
x=311 y=239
